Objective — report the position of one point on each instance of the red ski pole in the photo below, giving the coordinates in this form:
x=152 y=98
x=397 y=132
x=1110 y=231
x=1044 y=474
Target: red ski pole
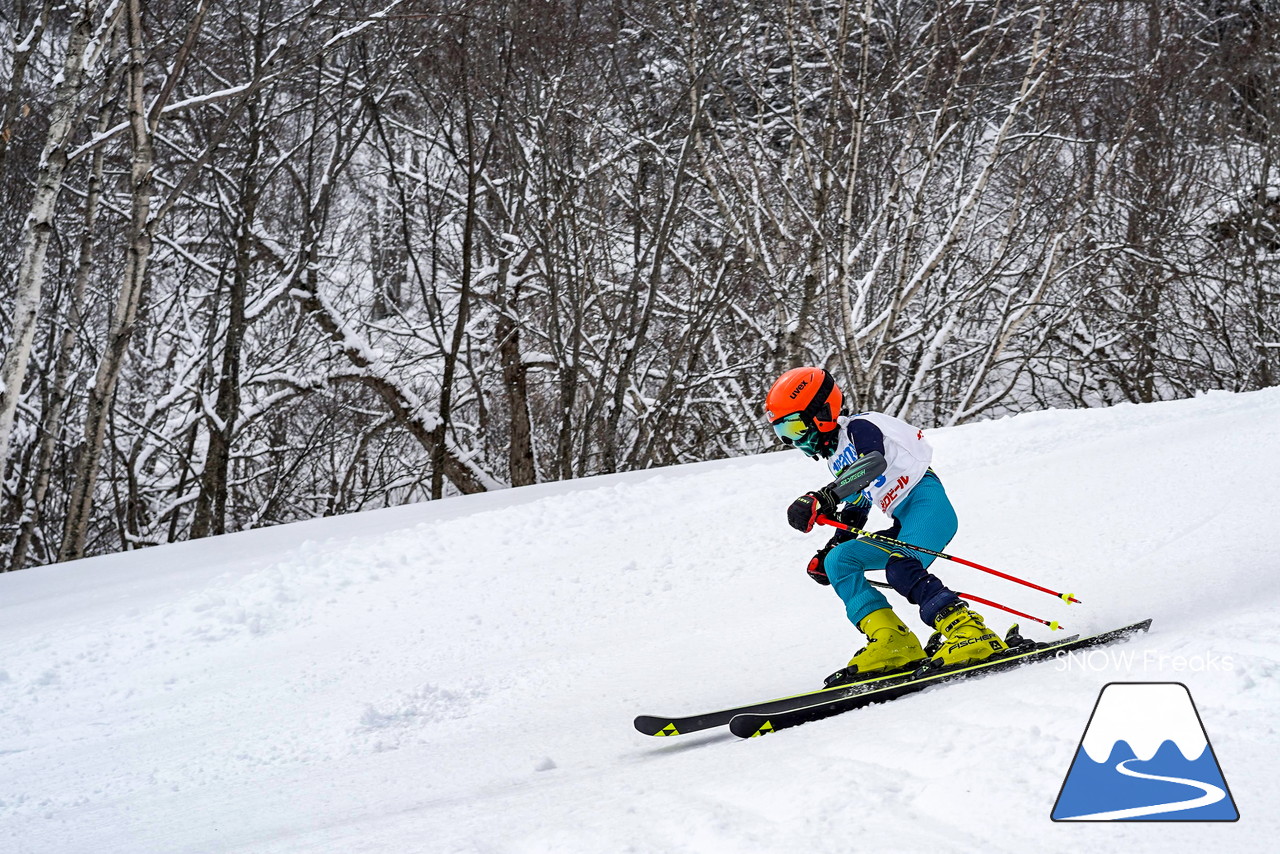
x=1053 y=625
x=824 y=520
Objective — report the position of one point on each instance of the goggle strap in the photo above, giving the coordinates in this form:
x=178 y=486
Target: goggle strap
x=819 y=400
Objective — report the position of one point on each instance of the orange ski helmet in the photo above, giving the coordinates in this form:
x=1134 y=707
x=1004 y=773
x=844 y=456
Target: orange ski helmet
x=803 y=399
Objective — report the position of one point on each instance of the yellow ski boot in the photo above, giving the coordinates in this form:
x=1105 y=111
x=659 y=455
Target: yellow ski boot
x=965 y=638
x=891 y=647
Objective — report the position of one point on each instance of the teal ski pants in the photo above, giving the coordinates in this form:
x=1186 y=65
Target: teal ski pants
x=928 y=520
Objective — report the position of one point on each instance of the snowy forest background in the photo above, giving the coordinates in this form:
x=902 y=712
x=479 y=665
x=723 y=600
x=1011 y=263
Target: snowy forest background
x=273 y=259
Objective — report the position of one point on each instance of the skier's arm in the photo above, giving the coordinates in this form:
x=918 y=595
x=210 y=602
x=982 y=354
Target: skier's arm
x=866 y=436
x=803 y=512
x=854 y=513
x=853 y=479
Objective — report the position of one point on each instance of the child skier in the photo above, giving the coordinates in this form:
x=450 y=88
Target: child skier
x=804 y=408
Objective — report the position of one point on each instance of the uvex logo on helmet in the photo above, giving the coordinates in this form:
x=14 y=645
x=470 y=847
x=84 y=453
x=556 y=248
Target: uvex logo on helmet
x=799 y=389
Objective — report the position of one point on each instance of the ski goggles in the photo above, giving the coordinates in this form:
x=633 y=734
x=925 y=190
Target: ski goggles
x=791 y=429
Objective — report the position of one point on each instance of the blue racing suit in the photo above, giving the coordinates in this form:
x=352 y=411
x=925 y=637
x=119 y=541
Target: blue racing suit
x=922 y=516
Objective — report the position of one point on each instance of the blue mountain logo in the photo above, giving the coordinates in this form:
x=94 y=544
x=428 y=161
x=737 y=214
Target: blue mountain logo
x=1145 y=756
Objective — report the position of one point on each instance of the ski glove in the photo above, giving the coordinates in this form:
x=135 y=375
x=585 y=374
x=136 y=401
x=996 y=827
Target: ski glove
x=804 y=511
x=815 y=570
x=855 y=516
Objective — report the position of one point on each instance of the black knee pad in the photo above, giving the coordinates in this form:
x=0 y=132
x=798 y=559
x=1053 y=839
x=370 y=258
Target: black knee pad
x=908 y=576
x=904 y=573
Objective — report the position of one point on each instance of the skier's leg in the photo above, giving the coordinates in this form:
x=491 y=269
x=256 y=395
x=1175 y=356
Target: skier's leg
x=927 y=520
x=846 y=566
x=890 y=646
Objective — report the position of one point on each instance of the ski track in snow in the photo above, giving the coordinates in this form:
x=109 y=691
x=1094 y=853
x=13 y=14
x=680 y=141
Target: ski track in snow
x=461 y=676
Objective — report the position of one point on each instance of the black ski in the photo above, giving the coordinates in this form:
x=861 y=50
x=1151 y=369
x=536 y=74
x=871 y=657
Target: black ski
x=667 y=726
x=754 y=723
x=658 y=725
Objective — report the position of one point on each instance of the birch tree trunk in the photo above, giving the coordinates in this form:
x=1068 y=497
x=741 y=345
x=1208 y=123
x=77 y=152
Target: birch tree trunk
x=51 y=418
x=38 y=229
x=137 y=253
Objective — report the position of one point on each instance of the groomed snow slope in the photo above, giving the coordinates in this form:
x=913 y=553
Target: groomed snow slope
x=461 y=676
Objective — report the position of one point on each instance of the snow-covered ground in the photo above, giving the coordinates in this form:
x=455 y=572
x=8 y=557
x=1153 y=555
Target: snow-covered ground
x=461 y=676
